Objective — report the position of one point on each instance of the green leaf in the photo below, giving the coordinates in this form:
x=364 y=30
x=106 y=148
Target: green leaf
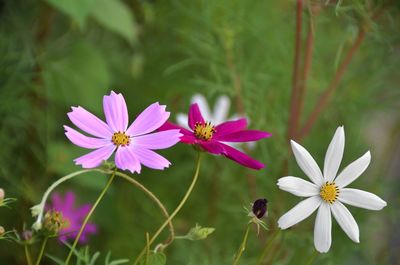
x=198 y=233
x=76 y=9
x=115 y=16
x=157 y=259
x=154 y=258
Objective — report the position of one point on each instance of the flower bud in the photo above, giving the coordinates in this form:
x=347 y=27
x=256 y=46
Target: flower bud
x=53 y=222
x=2 y=231
x=26 y=235
x=259 y=208
x=1 y=195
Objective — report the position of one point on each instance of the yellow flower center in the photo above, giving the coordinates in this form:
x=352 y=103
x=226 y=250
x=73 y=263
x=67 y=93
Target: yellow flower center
x=204 y=131
x=329 y=192
x=120 y=138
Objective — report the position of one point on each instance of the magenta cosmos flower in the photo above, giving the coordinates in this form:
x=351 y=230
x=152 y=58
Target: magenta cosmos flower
x=134 y=145
x=72 y=217
x=213 y=139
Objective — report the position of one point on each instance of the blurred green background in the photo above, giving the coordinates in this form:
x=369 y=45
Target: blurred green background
x=56 y=54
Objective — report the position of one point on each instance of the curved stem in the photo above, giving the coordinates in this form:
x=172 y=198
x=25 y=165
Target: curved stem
x=88 y=217
x=178 y=208
x=42 y=250
x=27 y=255
x=242 y=246
x=155 y=199
x=40 y=206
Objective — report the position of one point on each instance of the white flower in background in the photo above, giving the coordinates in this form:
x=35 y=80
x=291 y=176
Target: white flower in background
x=327 y=192
x=217 y=116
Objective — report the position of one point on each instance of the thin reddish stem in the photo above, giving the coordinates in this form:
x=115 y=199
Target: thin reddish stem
x=294 y=105
x=324 y=98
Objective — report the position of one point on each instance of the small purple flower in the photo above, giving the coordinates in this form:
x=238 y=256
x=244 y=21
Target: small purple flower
x=214 y=139
x=72 y=217
x=134 y=145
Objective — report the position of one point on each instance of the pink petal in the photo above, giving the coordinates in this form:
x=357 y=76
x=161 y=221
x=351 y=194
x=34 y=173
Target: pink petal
x=84 y=141
x=150 y=158
x=125 y=159
x=116 y=112
x=158 y=140
x=149 y=120
x=243 y=136
x=230 y=127
x=194 y=116
x=89 y=123
x=96 y=157
x=241 y=158
x=188 y=136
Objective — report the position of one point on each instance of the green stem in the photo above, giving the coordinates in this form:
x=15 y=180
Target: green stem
x=242 y=246
x=88 y=217
x=41 y=250
x=178 y=208
x=312 y=257
x=155 y=199
x=27 y=255
x=268 y=247
x=40 y=207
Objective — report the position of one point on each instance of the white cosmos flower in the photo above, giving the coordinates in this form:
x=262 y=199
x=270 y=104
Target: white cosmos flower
x=217 y=116
x=327 y=192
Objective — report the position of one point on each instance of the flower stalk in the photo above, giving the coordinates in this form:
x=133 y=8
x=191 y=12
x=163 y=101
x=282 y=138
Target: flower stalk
x=178 y=208
x=89 y=215
x=242 y=246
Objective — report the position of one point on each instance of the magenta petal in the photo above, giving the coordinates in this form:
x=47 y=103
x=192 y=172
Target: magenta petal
x=84 y=141
x=243 y=136
x=96 y=157
x=116 y=112
x=149 y=120
x=230 y=127
x=125 y=159
x=69 y=200
x=158 y=140
x=194 y=116
x=187 y=138
x=241 y=158
x=213 y=147
x=150 y=158
x=83 y=211
x=170 y=126
x=89 y=123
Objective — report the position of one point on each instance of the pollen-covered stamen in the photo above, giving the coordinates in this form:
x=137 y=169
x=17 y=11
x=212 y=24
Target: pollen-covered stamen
x=120 y=139
x=204 y=131
x=329 y=192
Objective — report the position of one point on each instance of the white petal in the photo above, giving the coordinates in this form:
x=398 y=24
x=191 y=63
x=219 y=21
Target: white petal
x=346 y=221
x=203 y=105
x=221 y=109
x=182 y=120
x=353 y=171
x=307 y=163
x=300 y=212
x=362 y=199
x=298 y=186
x=334 y=155
x=323 y=228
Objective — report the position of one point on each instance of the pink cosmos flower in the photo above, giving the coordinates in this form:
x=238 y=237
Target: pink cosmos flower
x=134 y=145
x=72 y=217
x=213 y=138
